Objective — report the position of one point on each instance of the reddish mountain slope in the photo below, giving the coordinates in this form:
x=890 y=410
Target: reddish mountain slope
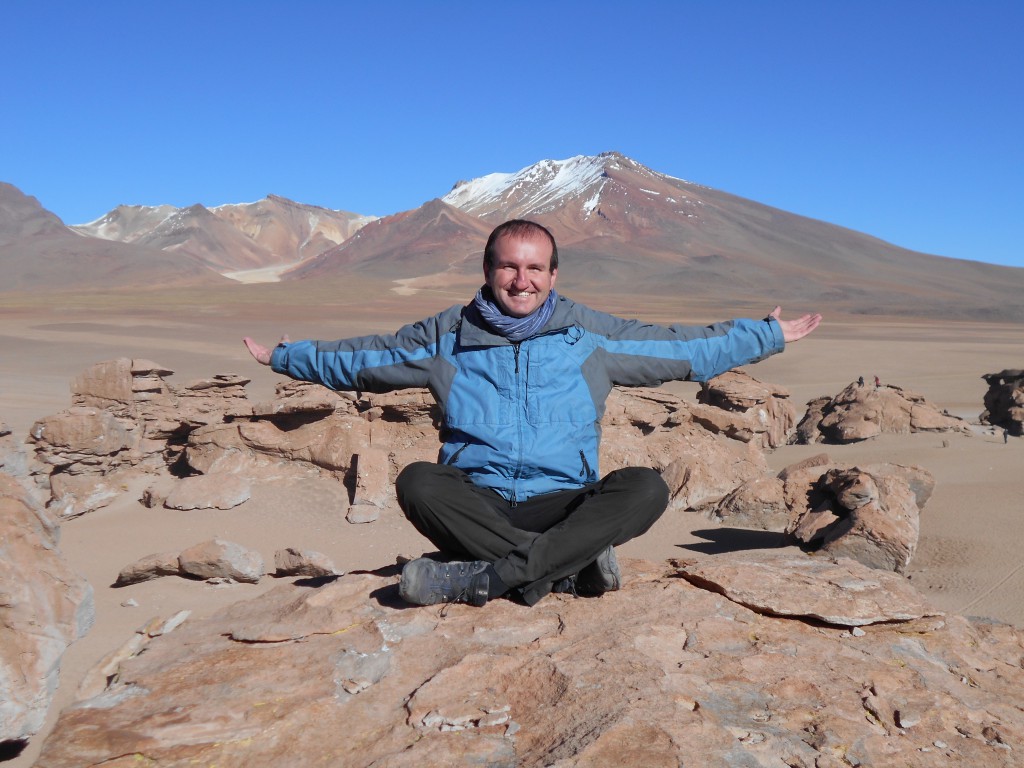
x=38 y=252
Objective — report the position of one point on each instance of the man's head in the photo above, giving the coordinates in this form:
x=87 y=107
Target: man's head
x=520 y=266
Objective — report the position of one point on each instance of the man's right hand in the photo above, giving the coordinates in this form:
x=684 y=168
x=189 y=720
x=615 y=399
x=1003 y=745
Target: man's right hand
x=260 y=352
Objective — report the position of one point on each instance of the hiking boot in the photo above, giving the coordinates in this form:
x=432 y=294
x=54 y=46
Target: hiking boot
x=428 y=582
x=600 y=576
x=566 y=586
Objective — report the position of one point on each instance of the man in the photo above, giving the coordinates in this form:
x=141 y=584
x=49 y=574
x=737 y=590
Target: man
x=521 y=375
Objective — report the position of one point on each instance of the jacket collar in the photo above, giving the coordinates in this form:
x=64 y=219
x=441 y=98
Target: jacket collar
x=474 y=331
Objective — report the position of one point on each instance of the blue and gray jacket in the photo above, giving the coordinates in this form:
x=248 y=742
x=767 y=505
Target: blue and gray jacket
x=525 y=418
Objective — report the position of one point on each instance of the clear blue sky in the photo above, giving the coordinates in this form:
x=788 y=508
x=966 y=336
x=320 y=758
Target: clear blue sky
x=904 y=120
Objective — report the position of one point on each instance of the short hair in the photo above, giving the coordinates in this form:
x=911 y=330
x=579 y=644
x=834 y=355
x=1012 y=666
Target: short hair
x=520 y=229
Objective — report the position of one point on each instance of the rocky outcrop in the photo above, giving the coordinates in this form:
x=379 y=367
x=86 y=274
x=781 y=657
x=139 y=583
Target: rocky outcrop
x=44 y=607
x=650 y=428
x=863 y=411
x=870 y=514
x=1004 y=401
x=741 y=407
x=752 y=659
x=203 y=442
x=125 y=420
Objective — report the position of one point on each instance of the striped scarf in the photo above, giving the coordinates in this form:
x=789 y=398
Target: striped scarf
x=515 y=329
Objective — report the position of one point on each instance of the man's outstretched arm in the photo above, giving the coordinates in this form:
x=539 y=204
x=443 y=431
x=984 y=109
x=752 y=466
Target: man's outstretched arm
x=794 y=330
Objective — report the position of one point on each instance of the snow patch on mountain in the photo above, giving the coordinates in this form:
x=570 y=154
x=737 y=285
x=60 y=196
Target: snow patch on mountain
x=539 y=188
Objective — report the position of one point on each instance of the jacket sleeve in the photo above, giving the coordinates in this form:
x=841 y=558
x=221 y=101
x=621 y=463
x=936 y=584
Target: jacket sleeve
x=380 y=363
x=641 y=354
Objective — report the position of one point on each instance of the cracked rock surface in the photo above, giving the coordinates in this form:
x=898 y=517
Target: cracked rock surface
x=750 y=660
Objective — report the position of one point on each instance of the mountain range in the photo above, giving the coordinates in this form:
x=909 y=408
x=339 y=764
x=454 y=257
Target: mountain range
x=621 y=227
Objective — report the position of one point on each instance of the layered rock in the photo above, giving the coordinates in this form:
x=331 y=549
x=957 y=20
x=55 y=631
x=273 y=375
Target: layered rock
x=125 y=420
x=1004 y=401
x=869 y=513
x=44 y=607
x=863 y=411
x=752 y=659
x=741 y=407
x=368 y=443
x=650 y=428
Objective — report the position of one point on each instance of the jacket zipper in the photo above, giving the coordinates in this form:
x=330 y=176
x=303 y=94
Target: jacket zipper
x=585 y=470
x=519 y=426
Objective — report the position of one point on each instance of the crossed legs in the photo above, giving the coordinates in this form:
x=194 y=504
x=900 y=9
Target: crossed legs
x=539 y=541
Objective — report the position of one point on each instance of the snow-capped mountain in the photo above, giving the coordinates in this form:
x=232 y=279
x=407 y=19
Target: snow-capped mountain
x=273 y=232
x=582 y=196
x=623 y=230
x=538 y=189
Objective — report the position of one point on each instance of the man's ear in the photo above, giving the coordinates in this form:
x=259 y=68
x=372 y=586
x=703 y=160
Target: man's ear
x=554 y=276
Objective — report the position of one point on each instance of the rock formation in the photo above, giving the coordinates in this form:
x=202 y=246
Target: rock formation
x=203 y=442
x=863 y=411
x=870 y=514
x=741 y=407
x=44 y=607
x=1004 y=401
x=644 y=427
x=125 y=420
x=750 y=659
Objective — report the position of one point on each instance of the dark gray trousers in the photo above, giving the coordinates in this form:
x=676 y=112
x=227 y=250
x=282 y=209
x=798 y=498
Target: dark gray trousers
x=540 y=540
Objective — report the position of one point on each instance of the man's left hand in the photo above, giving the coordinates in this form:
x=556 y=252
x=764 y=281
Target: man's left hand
x=794 y=330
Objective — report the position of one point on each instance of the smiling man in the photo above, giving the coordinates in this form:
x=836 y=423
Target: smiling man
x=516 y=504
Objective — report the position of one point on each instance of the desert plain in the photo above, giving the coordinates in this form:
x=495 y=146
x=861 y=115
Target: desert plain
x=969 y=559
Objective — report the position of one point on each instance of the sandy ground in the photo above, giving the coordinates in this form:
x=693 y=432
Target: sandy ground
x=969 y=558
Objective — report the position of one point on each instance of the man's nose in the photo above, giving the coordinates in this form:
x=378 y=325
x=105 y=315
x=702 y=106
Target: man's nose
x=521 y=279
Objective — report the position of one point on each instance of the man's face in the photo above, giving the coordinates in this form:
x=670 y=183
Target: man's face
x=521 y=277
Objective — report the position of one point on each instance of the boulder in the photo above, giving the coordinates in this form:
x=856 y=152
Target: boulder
x=218 y=559
x=870 y=514
x=148 y=568
x=863 y=411
x=295 y=562
x=750 y=660
x=744 y=408
x=880 y=525
x=759 y=504
x=208 y=492
x=1004 y=401
x=44 y=607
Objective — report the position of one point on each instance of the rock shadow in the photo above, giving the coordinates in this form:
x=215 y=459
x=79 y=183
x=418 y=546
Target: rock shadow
x=720 y=540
